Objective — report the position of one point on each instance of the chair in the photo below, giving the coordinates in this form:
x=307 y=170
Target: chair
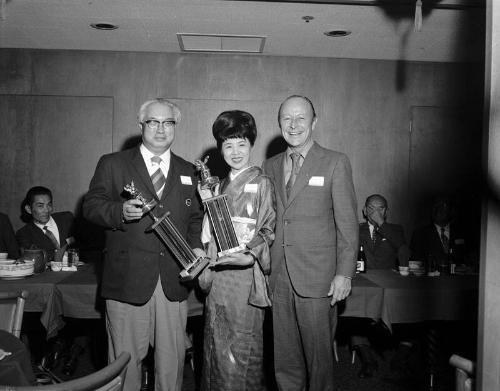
x=110 y=378
x=11 y=311
x=464 y=370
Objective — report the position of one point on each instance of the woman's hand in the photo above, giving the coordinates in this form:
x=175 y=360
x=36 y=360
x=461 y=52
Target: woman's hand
x=235 y=259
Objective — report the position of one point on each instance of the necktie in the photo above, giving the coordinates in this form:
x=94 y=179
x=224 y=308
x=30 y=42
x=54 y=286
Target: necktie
x=374 y=235
x=293 y=174
x=51 y=236
x=445 y=241
x=158 y=178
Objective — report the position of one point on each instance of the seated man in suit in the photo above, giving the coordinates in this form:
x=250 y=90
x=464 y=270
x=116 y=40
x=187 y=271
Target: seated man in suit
x=46 y=230
x=441 y=239
x=385 y=247
x=8 y=242
x=50 y=231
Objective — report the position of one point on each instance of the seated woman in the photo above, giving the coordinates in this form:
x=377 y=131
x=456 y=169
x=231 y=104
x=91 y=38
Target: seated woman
x=237 y=283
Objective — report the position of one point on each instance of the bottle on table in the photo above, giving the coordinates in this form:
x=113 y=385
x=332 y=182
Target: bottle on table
x=361 y=262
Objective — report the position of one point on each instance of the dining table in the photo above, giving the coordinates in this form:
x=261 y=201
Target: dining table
x=377 y=294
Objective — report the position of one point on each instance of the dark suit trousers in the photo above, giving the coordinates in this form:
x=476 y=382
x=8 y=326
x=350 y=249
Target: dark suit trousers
x=303 y=338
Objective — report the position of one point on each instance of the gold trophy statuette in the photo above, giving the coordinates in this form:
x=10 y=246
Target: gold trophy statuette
x=218 y=211
x=171 y=237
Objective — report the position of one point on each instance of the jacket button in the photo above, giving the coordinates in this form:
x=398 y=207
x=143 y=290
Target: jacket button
x=162 y=253
x=160 y=206
x=287 y=222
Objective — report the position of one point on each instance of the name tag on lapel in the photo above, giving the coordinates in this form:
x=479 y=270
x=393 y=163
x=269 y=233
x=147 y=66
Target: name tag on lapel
x=251 y=188
x=186 y=180
x=316 y=181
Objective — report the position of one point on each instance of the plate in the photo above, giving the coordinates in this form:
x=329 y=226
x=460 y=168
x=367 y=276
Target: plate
x=15 y=277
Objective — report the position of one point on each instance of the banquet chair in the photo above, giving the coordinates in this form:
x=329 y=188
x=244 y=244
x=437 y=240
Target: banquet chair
x=464 y=370
x=11 y=311
x=110 y=378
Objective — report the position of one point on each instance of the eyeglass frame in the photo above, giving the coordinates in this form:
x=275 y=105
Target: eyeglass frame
x=154 y=124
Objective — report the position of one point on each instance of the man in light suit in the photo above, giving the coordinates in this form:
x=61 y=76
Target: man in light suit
x=314 y=253
x=145 y=300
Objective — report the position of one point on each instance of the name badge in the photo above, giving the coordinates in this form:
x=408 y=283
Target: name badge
x=251 y=188
x=186 y=180
x=316 y=181
x=459 y=241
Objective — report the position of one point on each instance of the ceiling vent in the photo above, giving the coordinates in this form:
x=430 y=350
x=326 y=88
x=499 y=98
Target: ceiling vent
x=221 y=43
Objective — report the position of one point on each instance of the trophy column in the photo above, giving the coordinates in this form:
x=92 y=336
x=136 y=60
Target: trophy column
x=218 y=212
x=171 y=237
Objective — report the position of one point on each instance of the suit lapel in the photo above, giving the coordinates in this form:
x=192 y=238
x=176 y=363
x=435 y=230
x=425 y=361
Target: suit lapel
x=278 y=169
x=40 y=238
x=172 y=176
x=142 y=172
x=309 y=163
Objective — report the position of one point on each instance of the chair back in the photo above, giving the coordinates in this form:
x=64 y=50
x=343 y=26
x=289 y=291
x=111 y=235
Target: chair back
x=464 y=371
x=110 y=378
x=11 y=311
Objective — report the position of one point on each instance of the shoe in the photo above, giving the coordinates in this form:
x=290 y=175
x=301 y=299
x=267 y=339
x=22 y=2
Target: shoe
x=51 y=360
x=369 y=364
x=145 y=380
x=71 y=362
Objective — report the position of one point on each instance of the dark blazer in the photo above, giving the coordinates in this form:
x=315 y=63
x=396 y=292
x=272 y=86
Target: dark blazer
x=30 y=235
x=425 y=241
x=317 y=227
x=135 y=257
x=8 y=241
x=383 y=252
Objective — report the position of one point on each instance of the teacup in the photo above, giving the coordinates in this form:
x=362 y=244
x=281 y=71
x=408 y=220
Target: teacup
x=56 y=266
x=404 y=270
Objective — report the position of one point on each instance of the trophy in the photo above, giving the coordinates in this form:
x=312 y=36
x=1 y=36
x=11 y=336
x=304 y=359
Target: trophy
x=171 y=237
x=218 y=212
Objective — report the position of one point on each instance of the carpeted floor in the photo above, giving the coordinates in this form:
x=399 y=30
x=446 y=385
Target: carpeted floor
x=344 y=372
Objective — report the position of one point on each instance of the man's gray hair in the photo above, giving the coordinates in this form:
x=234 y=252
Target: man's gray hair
x=175 y=109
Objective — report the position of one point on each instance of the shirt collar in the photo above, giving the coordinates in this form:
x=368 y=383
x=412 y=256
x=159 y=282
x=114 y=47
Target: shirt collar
x=446 y=228
x=304 y=151
x=51 y=224
x=233 y=176
x=147 y=154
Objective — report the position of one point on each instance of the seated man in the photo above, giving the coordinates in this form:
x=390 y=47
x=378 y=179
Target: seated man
x=385 y=247
x=46 y=230
x=8 y=242
x=50 y=231
x=435 y=241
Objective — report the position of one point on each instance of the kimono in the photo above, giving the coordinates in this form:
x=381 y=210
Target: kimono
x=237 y=297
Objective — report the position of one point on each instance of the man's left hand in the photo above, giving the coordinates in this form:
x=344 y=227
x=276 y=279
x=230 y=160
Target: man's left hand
x=339 y=289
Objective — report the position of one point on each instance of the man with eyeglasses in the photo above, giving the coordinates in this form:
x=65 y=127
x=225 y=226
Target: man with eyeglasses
x=145 y=300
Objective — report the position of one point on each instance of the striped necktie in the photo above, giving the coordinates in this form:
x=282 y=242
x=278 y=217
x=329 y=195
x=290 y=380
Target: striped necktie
x=51 y=236
x=158 y=178
x=445 y=241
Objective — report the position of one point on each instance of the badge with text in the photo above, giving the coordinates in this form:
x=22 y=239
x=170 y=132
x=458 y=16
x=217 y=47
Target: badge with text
x=316 y=181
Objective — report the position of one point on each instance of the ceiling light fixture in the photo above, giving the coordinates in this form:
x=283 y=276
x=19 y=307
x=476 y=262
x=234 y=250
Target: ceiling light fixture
x=337 y=33
x=103 y=26
x=307 y=18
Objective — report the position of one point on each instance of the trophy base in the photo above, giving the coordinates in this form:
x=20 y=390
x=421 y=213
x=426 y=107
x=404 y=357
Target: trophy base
x=240 y=248
x=192 y=271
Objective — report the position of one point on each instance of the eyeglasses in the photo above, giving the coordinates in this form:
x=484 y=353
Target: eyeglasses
x=154 y=124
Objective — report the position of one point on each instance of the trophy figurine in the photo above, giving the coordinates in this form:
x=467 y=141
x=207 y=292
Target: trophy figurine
x=171 y=237
x=218 y=212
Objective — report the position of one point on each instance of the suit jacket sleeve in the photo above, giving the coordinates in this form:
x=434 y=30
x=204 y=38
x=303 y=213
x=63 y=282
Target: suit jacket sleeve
x=395 y=235
x=345 y=214
x=101 y=206
x=8 y=241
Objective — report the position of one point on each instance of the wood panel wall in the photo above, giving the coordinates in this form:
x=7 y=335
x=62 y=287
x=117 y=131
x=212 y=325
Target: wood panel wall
x=364 y=106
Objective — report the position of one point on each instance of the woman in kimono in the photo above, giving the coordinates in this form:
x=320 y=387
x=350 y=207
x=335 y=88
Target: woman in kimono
x=237 y=283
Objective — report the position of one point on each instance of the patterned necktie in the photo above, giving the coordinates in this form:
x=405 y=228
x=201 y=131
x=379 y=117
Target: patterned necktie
x=51 y=236
x=158 y=178
x=374 y=235
x=293 y=174
x=445 y=241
